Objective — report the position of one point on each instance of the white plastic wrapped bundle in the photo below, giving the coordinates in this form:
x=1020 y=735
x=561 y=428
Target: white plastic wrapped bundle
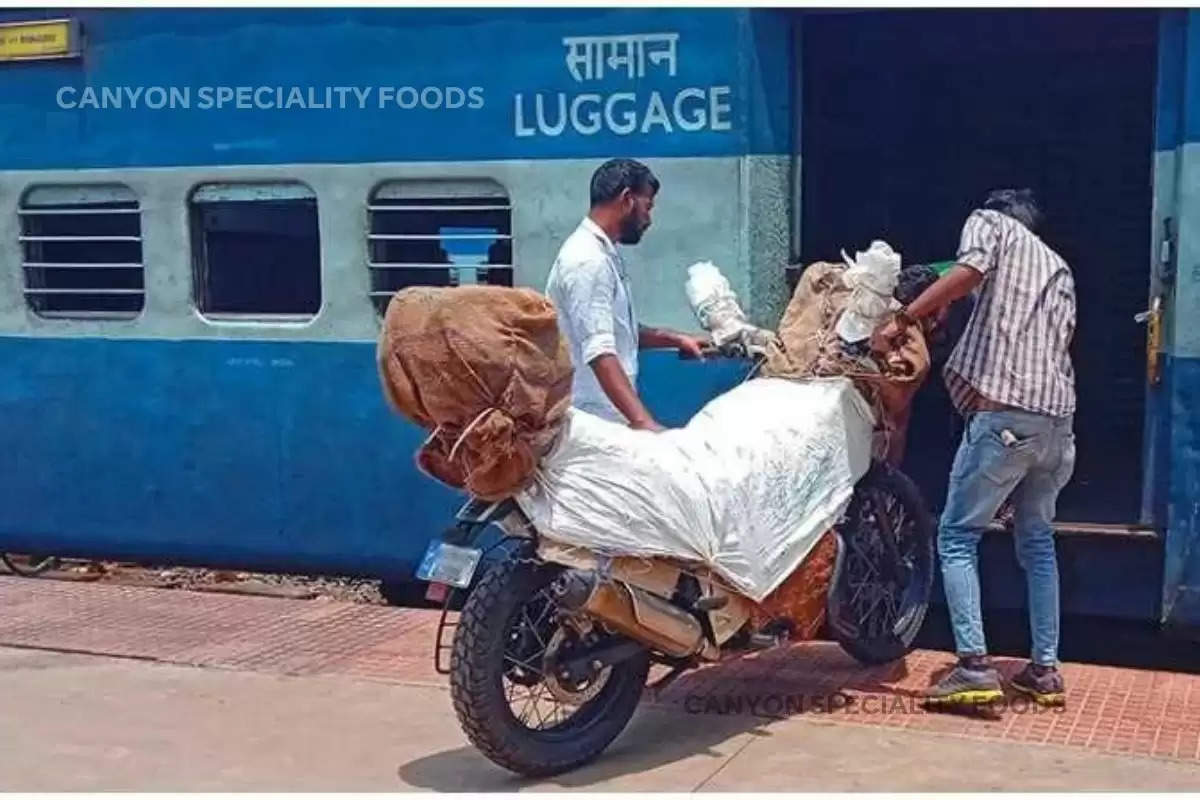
x=747 y=487
x=716 y=307
x=871 y=278
x=714 y=302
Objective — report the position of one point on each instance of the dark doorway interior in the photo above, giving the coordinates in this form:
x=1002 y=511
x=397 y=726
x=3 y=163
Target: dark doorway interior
x=911 y=116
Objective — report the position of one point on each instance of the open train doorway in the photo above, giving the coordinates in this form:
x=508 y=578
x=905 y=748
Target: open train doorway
x=909 y=117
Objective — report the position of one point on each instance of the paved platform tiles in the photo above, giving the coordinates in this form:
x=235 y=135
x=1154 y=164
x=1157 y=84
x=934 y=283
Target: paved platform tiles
x=1109 y=710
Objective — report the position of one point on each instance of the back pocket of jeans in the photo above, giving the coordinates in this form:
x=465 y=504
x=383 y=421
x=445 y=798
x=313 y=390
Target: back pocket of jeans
x=1005 y=462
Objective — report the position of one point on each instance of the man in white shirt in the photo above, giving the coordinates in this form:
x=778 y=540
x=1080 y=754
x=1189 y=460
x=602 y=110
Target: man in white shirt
x=590 y=289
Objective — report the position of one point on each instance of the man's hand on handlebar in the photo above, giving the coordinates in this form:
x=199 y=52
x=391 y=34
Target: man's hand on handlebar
x=694 y=346
x=689 y=346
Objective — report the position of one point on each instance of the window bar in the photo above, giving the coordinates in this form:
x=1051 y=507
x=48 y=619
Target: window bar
x=24 y=238
x=435 y=236
x=85 y=291
x=395 y=208
x=402 y=265
x=88 y=265
x=47 y=212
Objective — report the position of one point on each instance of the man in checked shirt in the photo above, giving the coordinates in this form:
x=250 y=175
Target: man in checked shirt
x=1012 y=379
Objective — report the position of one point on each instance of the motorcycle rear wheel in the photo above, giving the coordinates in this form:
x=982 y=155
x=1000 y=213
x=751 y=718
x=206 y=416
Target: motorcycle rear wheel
x=877 y=609
x=505 y=610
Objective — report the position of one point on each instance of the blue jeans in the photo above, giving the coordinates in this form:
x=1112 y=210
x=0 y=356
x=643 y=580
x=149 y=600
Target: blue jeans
x=1029 y=457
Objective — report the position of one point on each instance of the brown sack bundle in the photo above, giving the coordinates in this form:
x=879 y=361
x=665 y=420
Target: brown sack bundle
x=801 y=599
x=811 y=348
x=810 y=345
x=486 y=370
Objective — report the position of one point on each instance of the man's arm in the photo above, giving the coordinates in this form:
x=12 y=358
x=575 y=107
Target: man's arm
x=978 y=252
x=956 y=284
x=977 y=255
x=586 y=295
x=649 y=338
x=620 y=391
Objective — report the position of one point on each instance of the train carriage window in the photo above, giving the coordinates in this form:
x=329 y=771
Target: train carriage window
x=256 y=250
x=82 y=251
x=438 y=233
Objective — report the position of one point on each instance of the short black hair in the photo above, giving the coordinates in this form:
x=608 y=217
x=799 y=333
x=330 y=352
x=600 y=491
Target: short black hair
x=1020 y=204
x=913 y=281
x=618 y=174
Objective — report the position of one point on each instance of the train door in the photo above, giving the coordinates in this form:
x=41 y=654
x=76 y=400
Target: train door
x=909 y=117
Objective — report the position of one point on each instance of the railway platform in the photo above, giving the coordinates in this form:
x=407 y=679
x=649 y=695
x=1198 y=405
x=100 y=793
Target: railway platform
x=111 y=687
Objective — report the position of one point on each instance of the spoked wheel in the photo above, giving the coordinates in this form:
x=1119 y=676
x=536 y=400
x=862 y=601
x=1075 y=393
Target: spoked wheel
x=883 y=588
x=29 y=566
x=517 y=692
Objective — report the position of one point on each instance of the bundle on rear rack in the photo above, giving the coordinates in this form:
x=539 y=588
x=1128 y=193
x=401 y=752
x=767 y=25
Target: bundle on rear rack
x=486 y=371
x=811 y=344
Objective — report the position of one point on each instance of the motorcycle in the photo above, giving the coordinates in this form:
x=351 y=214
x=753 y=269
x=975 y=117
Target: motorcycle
x=553 y=646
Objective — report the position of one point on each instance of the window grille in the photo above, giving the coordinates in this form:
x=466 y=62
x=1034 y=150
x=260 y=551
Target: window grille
x=82 y=251
x=438 y=233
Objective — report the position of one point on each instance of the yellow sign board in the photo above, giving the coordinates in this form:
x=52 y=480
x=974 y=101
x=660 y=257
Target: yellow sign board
x=52 y=38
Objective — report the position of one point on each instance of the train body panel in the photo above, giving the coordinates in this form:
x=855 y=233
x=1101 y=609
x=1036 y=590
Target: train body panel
x=379 y=85
x=273 y=455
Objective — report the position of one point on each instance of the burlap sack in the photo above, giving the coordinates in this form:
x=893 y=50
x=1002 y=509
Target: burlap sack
x=802 y=597
x=483 y=368
x=809 y=347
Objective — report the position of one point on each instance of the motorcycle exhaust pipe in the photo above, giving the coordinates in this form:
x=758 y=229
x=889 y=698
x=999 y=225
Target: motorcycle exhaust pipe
x=634 y=612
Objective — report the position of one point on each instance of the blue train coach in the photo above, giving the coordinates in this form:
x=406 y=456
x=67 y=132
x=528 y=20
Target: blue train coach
x=203 y=212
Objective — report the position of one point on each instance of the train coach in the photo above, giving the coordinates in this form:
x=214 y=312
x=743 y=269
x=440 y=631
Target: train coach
x=203 y=213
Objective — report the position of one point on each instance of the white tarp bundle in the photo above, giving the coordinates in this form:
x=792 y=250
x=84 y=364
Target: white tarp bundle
x=714 y=302
x=747 y=487
x=716 y=307
x=871 y=278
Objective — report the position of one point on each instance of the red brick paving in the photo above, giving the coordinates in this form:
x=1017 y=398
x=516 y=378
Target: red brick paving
x=1109 y=709
x=264 y=634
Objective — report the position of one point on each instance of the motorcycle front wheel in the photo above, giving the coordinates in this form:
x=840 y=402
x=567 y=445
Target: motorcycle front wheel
x=882 y=591
x=507 y=694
